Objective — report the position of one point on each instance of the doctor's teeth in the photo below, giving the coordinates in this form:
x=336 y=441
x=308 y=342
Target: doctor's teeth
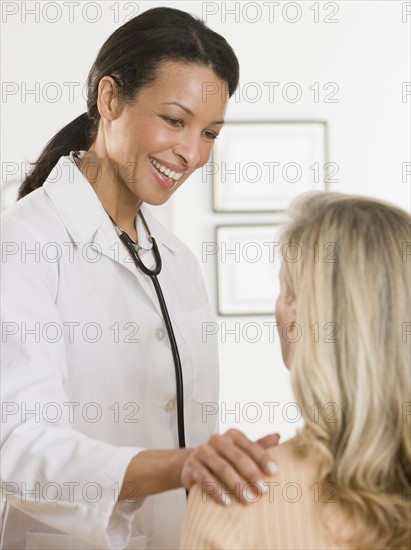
x=170 y=174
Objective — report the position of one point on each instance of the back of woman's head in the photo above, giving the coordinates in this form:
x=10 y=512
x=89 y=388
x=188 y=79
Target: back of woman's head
x=131 y=56
x=351 y=368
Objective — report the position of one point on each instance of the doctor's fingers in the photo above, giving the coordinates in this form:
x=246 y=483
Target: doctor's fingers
x=256 y=451
x=219 y=479
x=249 y=459
x=269 y=440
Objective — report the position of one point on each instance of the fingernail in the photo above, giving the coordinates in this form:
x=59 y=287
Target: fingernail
x=226 y=499
x=250 y=495
x=273 y=468
x=262 y=485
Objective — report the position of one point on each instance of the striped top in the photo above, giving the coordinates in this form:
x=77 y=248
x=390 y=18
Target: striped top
x=293 y=514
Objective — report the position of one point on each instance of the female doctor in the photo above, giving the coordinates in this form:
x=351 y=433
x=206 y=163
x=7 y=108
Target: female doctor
x=93 y=386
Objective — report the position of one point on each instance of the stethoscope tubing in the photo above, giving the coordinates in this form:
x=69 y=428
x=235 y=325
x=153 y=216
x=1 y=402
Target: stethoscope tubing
x=152 y=273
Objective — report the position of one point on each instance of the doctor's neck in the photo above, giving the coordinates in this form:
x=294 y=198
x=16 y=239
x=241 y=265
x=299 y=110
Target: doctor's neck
x=115 y=196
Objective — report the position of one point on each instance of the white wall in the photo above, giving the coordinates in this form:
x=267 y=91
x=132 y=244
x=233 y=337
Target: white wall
x=366 y=53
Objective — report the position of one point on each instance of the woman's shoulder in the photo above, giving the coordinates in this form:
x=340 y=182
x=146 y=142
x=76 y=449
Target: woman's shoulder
x=265 y=523
x=293 y=454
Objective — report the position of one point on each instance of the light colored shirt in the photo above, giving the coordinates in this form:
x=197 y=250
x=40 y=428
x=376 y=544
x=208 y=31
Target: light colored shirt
x=293 y=514
x=88 y=379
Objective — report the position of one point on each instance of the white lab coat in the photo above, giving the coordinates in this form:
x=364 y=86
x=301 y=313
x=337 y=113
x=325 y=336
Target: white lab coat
x=87 y=373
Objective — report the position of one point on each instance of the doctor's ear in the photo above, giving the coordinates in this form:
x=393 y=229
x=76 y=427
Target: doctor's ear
x=109 y=103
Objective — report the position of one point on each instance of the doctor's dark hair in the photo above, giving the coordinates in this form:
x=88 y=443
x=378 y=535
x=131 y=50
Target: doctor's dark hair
x=132 y=56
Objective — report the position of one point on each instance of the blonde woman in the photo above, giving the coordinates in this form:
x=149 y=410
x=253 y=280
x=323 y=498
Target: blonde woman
x=345 y=480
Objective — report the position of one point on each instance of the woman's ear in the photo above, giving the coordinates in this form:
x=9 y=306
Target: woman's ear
x=293 y=307
x=108 y=102
x=291 y=302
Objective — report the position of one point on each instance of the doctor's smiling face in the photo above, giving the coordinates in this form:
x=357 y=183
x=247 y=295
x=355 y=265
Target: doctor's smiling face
x=156 y=142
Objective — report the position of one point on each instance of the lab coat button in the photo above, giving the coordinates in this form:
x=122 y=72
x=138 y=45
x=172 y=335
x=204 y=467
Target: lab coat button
x=170 y=405
x=160 y=333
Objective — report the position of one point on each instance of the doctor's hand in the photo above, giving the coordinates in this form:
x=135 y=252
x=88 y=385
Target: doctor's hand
x=231 y=467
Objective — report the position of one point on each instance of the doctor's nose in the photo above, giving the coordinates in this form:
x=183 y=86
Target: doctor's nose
x=191 y=151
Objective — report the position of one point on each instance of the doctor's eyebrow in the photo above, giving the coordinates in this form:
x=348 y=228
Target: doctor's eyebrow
x=187 y=110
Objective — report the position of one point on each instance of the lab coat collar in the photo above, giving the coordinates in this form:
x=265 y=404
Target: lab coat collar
x=82 y=212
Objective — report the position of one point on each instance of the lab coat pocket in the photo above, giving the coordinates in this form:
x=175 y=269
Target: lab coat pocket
x=51 y=541
x=199 y=333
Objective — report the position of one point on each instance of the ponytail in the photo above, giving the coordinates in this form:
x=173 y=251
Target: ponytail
x=74 y=136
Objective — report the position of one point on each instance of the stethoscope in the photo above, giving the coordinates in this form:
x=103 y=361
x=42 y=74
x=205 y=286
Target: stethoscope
x=152 y=273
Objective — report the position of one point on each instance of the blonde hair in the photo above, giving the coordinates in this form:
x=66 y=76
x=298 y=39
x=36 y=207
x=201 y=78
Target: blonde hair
x=351 y=370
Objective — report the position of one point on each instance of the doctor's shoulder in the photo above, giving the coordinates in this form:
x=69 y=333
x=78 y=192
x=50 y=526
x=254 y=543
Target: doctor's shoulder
x=31 y=236
x=33 y=215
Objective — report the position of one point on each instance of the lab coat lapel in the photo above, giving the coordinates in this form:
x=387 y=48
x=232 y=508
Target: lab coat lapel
x=106 y=242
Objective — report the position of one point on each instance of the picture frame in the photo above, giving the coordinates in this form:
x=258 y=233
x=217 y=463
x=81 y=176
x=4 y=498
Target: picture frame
x=262 y=166
x=248 y=265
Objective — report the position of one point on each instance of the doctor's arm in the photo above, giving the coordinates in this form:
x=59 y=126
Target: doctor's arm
x=228 y=461
x=47 y=465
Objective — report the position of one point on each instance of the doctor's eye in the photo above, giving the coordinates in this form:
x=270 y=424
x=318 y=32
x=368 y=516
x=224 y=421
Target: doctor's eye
x=210 y=135
x=175 y=122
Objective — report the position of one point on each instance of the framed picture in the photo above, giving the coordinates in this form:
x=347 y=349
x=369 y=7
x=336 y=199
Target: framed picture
x=248 y=264
x=262 y=166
